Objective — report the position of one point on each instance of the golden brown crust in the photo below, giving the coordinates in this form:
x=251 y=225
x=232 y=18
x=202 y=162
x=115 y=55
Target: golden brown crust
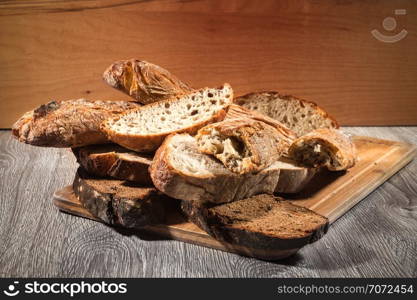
x=260 y=143
x=150 y=142
x=143 y=81
x=71 y=123
x=335 y=145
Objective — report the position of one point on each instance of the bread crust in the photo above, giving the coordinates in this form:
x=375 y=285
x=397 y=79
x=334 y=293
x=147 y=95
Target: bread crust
x=144 y=81
x=223 y=229
x=150 y=142
x=130 y=206
x=114 y=161
x=339 y=147
x=272 y=95
x=71 y=123
x=215 y=188
x=262 y=143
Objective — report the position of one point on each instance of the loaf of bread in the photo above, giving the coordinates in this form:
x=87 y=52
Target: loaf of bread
x=181 y=171
x=236 y=111
x=111 y=160
x=293 y=177
x=143 y=81
x=299 y=115
x=145 y=128
x=117 y=202
x=259 y=222
x=330 y=148
x=243 y=145
x=71 y=123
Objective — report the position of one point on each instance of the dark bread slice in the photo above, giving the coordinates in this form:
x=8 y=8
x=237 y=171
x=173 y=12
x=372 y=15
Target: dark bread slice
x=117 y=202
x=260 y=222
x=114 y=161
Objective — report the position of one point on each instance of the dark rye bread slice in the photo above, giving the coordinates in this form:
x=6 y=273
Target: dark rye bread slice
x=299 y=115
x=114 y=161
x=117 y=202
x=262 y=222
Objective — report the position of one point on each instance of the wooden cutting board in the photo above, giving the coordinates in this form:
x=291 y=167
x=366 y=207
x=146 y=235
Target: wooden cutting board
x=330 y=194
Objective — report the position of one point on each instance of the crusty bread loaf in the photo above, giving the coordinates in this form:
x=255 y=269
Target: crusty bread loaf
x=236 y=111
x=143 y=81
x=324 y=147
x=117 y=202
x=181 y=171
x=292 y=178
x=71 y=123
x=243 y=145
x=259 y=222
x=114 y=161
x=299 y=115
x=145 y=128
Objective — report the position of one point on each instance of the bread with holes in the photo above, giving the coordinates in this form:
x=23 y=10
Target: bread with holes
x=263 y=226
x=324 y=147
x=145 y=128
x=71 y=123
x=299 y=115
x=181 y=171
x=111 y=160
x=243 y=145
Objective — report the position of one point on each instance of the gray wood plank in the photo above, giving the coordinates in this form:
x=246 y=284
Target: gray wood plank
x=376 y=238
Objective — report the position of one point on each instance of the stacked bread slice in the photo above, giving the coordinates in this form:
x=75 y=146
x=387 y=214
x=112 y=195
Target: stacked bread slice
x=222 y=161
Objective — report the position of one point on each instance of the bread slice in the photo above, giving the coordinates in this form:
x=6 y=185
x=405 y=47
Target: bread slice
x=143 y=81
x=145 y=128
x=293 y=178
x=243 y=145
x=71 y=123
x=236 y=111
x=117 y=202
x=299 y=115
x=181 y=171
x=324 y=147
x=114 y=161
x=261 y=222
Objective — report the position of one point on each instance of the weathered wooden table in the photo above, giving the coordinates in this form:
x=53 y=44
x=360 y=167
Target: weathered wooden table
x=377 y=238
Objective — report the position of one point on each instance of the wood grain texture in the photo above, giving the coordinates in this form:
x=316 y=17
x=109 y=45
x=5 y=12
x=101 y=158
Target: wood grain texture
x=318 y=50
x=37 y=240
x=329 y=194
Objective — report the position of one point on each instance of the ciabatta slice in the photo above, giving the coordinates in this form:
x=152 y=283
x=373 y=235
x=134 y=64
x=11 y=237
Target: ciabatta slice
x=145 y=128
x=299 y=115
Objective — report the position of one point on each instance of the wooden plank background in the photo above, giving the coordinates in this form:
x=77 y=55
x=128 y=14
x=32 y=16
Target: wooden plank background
x=318 y=50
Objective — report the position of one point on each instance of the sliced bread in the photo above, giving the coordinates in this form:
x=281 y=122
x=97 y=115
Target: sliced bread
x=293 y=177
x=114 y=161
x=71 y=123
x=118 y=202
x=143 y=81
x=299 y=115
x=181 y=171
x=243 y=145
x=330 y=148
x=262 y=222
x=145 y=128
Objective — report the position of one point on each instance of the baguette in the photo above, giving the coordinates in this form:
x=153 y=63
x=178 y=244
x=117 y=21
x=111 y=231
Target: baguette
x=143 y=81
x=293 y=178
x=116 y=202
x=299 y=115
x=181 y=171
x=324 y=147
x=145 y=128
x=262 y=222
x=114 y=161
x=243 y=145
x=71 y=123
